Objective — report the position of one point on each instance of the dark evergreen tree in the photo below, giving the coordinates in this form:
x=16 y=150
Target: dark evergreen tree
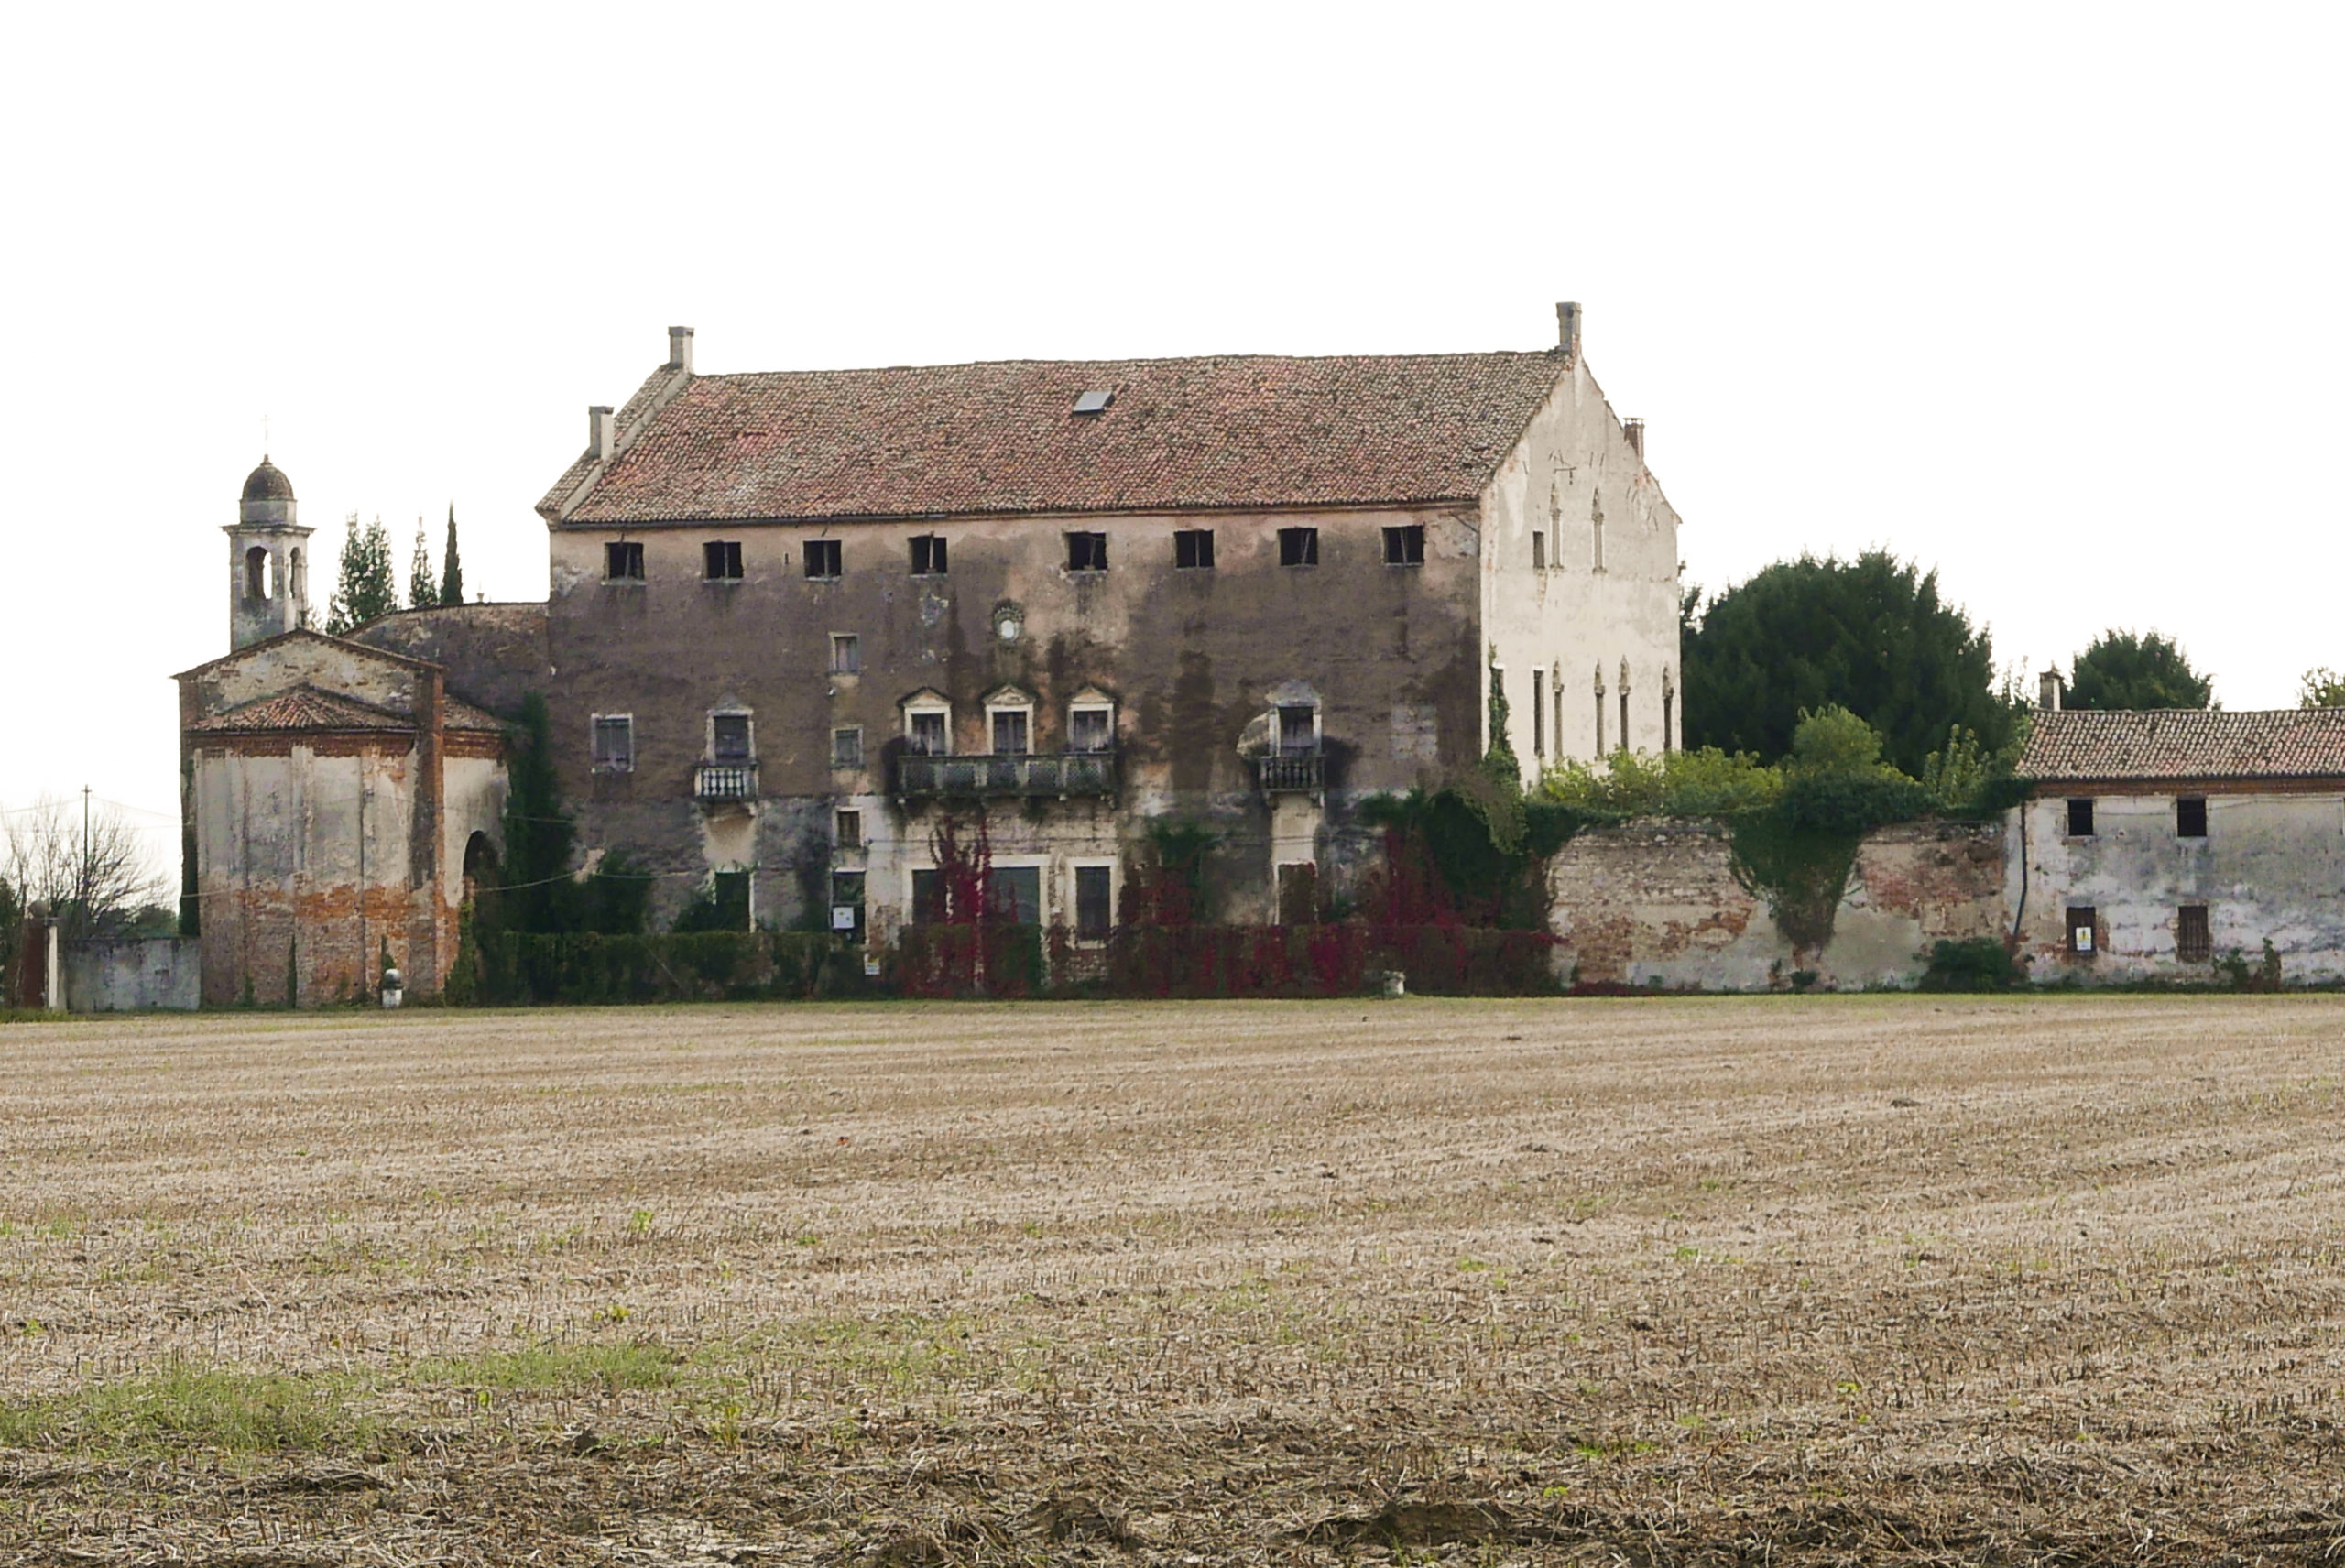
x=2121 y=670
x=1868 y=635
x=367 y=587
x=452 y=565
x=422 y=592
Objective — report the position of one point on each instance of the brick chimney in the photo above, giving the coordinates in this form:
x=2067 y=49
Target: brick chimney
x=2047 y=690
x=680 y=349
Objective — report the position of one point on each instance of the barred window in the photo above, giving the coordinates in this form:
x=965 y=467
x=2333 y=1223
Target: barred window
x=2193 y=934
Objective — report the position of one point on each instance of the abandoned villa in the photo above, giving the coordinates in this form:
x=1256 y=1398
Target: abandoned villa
x=795 y=615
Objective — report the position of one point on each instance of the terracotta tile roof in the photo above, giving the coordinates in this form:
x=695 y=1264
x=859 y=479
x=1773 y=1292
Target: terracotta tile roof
x=2291 y=743
x=304 y=708
x=1224 y=431
x=455 y=713
x=307 y=708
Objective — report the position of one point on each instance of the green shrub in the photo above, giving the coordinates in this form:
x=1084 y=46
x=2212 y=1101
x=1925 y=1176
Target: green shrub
x=1980 y=964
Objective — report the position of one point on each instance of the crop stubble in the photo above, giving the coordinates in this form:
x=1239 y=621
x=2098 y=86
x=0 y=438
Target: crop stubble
x=1858 y=1280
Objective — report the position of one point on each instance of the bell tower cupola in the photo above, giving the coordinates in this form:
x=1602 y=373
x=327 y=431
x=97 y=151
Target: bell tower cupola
x=268 y=561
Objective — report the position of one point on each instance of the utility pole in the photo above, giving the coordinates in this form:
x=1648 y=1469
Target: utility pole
x=84 y=914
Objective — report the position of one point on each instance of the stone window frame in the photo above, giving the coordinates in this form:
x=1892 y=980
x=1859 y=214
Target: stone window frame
x=1045 y=885
x=625 y=726
x=729 y=711
x=847 y=828
x=847 y=654
x=1009 y=700
x=846 y=738
x=927 y=702
x=1089 y=701
x=1076 y=865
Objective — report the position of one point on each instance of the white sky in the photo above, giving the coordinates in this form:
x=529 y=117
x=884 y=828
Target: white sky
x=2047 y=296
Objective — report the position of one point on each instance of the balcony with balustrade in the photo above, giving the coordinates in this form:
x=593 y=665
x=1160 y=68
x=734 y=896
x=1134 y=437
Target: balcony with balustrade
x=724 y=783
x=1291 y=772
x=1061 y=775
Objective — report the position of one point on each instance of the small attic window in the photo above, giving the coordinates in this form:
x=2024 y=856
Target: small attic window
x=1094 y=402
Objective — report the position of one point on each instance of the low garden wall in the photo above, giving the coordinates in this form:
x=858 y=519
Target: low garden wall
x=1656 y=902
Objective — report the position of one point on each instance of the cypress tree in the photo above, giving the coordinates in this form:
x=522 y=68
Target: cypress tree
x=452 y=565
x=368 y=586
x=422 y=592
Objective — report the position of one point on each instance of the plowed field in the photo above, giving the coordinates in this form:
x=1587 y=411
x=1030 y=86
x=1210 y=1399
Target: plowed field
x=1858 y=1280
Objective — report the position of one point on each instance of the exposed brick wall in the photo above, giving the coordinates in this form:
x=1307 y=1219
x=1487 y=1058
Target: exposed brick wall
x=1657 y=900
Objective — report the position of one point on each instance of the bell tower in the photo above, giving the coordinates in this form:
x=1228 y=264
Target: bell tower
x=268 y=561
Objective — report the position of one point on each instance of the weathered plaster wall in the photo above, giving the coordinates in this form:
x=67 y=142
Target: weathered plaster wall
x=287 y=873
x=323 y=662
x=1655 y=901
x=494 y=655
x=2271 y=868
x=1571 y=619
x=125 y=976
x=1191 y=658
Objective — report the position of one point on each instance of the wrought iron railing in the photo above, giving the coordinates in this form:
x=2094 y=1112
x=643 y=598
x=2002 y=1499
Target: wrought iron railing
x=1061 y=774
x=724 y=781
x=1289 y=772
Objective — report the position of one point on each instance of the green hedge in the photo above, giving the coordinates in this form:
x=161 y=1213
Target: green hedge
x=1333 y=959
x=517 y=968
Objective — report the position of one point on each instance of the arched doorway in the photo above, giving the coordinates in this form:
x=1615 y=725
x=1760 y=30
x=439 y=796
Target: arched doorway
x=480 y=865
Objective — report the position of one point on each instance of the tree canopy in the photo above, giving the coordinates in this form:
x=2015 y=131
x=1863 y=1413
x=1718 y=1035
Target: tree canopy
x=2122 y=669
x=367 y=587
x=2323 y=688
x=423 y=588
x=1871 y=636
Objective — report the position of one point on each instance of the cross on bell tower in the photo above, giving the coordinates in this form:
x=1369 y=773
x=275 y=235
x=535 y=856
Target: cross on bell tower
x=269 y=566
